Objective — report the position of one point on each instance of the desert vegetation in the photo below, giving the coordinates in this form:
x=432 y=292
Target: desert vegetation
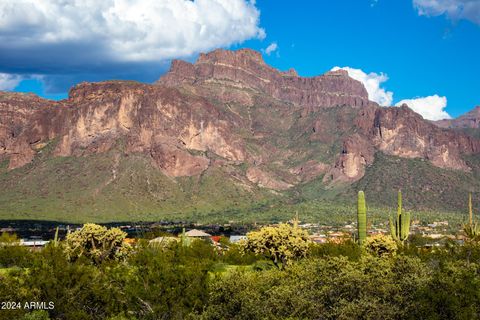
x=275 y=273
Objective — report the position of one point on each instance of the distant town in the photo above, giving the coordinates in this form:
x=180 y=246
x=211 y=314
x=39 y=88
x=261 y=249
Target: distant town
x=37 y=234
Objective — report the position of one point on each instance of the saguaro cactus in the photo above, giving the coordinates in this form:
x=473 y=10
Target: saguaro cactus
x=400 y=225
x=185 y=241
x=470 y=210
x=55 y=239
x=361 y=217
x=472 y=229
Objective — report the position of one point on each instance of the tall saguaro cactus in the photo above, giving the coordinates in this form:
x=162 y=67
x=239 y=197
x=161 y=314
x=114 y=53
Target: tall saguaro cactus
x=470 y=210
x=400 y=225
x=472 y=229
x=361 y=217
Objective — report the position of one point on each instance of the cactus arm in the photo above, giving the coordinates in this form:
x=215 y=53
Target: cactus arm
x=405 y=226
x=393 y=228
x=55 y=239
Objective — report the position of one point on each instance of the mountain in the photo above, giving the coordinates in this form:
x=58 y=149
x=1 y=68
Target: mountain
x=468 y=123
x=470 y=120
x=225 y=135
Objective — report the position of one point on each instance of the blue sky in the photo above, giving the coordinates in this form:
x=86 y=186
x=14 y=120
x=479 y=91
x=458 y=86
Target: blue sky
x=424 y=52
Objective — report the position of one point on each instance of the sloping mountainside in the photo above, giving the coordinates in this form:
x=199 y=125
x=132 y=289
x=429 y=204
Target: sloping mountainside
x=214 y=140
x=468 y=123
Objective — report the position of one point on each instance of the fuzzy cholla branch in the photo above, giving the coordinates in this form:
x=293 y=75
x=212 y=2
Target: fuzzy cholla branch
x=282 y=244
x=96 y=243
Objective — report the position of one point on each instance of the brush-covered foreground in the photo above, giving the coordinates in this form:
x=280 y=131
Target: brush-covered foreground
x=335 y=281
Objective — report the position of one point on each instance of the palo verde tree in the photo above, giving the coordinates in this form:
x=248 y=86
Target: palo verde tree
x=400 y=225
x=96 y=243
x=282 y=244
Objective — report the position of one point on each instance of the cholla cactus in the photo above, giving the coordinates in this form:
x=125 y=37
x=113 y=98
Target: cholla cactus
x=96 y=243
x=381 y=245
x=282 y=244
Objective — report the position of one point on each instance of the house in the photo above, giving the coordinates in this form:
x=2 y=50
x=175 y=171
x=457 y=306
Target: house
x=34 y=243
x=199 y=234
x=215 y=238
x=235 y=239
x=318 y=238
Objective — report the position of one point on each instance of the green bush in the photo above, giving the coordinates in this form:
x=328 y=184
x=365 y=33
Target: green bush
x=333 y=288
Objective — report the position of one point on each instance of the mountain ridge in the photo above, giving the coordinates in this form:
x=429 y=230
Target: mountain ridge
x=258 y=132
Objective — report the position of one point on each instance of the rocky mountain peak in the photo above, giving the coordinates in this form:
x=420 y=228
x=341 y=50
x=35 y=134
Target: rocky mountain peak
x=246 y=69
x=241 y=56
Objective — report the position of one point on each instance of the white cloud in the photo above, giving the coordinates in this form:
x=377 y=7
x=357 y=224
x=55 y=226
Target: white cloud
x=372 y=82
x=271 y=48
x=431 y=107
x=127 y=30
x=453 y=9
x=9 y=81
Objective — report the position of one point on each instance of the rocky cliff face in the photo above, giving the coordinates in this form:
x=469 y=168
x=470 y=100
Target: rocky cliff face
x=229 y=110
x=469 y=120
x=245 y=69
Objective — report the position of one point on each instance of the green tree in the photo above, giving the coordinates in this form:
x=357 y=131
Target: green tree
x=282 y=244
x=12 y=254
x=328 y=288
x=169 y=283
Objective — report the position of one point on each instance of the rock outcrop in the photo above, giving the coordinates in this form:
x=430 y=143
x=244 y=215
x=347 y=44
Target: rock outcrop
x=469 y=120
x=245 y=69
x=402 y=132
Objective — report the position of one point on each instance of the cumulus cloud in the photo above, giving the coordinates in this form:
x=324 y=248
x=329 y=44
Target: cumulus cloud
x=97 y=37
x=453 y=9
x=271 y=48
x=431 y=107
x=9 y=81
x=372 y=82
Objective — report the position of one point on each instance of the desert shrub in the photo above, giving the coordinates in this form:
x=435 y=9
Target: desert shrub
x=170 y=283
x=12 y=254
x=37 y=315
x=348 y=249
x=330 y=288
x=237 y=256
x=452 y=293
